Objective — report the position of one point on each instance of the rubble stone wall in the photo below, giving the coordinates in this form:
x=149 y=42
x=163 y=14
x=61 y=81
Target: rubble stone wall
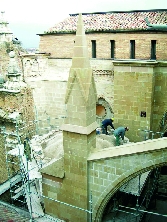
x=23 y=104
x=3 y=164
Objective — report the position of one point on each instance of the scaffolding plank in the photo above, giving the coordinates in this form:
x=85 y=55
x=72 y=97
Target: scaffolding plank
x=12 y=181
x=18 y=194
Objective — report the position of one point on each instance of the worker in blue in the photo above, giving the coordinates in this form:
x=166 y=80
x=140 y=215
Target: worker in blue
x=105 y=123
x=119 y=133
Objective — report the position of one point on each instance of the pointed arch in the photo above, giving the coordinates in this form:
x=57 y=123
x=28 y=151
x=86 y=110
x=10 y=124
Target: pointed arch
x=108 y=193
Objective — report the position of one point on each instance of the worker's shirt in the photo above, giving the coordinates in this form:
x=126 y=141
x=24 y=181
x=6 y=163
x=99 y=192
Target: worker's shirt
x=120 y=131
x=108 y=122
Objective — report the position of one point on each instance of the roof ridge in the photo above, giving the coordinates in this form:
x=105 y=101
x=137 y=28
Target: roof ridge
x=129 y=11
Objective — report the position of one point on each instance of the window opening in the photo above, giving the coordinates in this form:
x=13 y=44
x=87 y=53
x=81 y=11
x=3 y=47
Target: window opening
x=112 y=43
x=132 y=49
x=93 y=48
x=153 y=49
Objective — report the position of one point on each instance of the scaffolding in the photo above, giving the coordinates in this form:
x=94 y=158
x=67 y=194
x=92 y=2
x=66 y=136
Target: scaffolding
x=135 y=187
x=131 y=202
x=23 y=165
x=25 y=181
x=150 y=134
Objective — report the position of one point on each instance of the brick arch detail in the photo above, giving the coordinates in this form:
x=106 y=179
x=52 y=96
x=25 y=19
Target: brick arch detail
x=102 y=101
x=125 y=177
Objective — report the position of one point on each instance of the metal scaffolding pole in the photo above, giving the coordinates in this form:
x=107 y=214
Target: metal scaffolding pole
x=17 y=149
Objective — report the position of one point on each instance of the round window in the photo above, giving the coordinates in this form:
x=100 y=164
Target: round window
x=100 y=110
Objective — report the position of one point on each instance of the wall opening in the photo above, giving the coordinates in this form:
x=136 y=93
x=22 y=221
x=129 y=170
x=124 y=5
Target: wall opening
x=165 y=134
x=93 y=48
x=132 y=49
x=100 y=111
x=153 y=49
x=137 y=194
x=112 y=43
x=103 y=110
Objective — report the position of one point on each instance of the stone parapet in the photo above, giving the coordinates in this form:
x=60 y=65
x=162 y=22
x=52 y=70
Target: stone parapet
x=130 y=148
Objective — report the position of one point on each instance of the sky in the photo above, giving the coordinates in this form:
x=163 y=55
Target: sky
x=29 y=18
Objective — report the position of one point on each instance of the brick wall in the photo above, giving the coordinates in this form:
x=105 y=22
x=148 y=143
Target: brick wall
x=61 y=45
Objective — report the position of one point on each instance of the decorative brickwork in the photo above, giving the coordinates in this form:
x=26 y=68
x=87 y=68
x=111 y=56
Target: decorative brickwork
x=34 y=66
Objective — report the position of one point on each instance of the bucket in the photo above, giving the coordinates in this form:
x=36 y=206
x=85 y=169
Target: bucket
x=98 y=131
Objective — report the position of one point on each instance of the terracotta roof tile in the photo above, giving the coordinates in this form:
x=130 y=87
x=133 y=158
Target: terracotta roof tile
x=112 y=21
x=9 y=214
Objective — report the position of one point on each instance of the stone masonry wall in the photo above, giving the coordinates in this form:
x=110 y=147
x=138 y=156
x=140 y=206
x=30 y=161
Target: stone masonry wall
x=160 y=97
x=49 y=92
x=107 y=174
x=49 y=88
x=61 y=45
x=49 y=98
x=133 y=93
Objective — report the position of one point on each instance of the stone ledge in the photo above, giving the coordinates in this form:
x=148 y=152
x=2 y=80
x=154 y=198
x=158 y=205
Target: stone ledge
x=54 y=168
x=124 y=62
x=131 y=148
x=79 y=129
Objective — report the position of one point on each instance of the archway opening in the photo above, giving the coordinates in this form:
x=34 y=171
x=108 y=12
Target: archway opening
x=138 y=194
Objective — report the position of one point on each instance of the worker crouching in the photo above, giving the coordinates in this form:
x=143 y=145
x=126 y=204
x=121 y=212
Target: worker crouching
x=119 y=134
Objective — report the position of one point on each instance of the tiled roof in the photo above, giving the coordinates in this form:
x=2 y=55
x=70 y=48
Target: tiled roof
x=111 y=21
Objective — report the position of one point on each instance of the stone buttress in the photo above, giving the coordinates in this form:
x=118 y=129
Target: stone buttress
x=79 y=135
